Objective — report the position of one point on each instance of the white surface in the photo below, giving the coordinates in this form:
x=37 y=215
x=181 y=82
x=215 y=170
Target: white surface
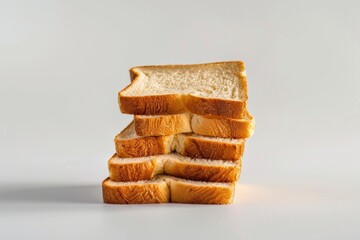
x=62 y=63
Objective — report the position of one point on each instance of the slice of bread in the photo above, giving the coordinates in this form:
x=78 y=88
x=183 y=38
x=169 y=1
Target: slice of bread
x=134 y=169
x=165 y=189
x=186 y=191
x=128 y=144
x=161 y=125
x=145 y=168
x=218 y=89
x=154 y=191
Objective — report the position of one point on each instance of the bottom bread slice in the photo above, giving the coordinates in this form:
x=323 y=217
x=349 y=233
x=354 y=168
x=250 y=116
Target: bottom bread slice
x=164 y=189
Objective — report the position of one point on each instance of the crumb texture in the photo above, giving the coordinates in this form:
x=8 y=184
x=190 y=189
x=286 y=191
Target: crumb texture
x=216 y=80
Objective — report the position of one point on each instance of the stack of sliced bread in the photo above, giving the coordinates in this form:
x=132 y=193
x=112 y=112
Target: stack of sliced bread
x=187 y=138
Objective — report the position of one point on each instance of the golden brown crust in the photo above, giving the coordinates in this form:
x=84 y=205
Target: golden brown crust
x=203 y=172
x=223 y=127
x=152 y=192
x=184 y=192
x=173 y=165
x=127 y=145
x=197 y=147
x=167 y=189
x=142 y=147
x=186 y=144
x=134 y=171
x=151 y=105
x=202 y=125
x=162 y=125
x=177 y=103
x=215 y=106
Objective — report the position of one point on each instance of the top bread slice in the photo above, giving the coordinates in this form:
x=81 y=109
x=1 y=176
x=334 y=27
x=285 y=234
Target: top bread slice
x=218 y=89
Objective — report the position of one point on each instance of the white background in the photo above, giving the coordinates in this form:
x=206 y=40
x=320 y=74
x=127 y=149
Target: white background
x=63 y=62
